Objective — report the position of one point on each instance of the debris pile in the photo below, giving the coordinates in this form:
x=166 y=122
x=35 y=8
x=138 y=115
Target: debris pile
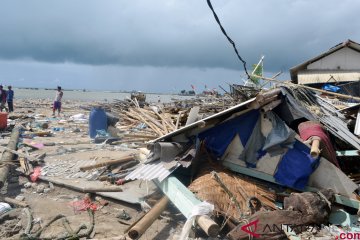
x=281 y=164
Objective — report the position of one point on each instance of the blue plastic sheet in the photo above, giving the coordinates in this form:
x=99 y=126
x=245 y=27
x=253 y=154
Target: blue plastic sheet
x=219 y=137
x=296 y=166
x=331 y=88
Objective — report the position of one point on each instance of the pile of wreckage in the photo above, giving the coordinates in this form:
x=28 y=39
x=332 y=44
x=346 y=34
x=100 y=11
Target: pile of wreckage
x=138 y=124
x=279 y=165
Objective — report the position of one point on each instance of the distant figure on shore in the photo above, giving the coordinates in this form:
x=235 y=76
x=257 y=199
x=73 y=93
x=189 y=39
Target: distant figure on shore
x=57 y=102
x=2 y=99
x=10 y=98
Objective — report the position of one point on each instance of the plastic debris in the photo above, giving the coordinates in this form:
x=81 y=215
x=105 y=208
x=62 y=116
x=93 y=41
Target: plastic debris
x=84 y=204
x=4 y=207
x=35 y=175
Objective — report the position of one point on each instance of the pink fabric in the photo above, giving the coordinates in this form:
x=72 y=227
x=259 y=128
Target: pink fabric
x=83 y=205
x=313 y=129
x=35 y=175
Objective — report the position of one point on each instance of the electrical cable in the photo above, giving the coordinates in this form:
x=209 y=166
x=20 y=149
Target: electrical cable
x=228 y=38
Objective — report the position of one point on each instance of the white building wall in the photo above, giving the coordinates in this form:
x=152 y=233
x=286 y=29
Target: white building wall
x=343 y=59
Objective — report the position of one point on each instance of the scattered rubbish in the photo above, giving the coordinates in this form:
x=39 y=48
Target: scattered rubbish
x=230 y=164
x=35 y=175
x=20 y=198
x=123 y=215
x=4 y=207
x=84 y=204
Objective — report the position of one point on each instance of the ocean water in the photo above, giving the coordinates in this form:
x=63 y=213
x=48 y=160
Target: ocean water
x=90 y=95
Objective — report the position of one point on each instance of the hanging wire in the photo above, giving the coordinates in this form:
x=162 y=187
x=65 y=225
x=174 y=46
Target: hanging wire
x=228 y=38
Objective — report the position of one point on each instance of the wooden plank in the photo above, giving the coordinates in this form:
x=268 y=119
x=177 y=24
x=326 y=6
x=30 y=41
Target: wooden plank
x=193 y=115
x=15 y=202
x=108 y=163
x=343 y=200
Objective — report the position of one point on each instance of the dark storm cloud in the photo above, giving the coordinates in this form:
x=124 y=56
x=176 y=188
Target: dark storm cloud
x=172 y=33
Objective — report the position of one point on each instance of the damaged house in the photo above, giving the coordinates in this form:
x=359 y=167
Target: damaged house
x=246 y=167
x=338 y=66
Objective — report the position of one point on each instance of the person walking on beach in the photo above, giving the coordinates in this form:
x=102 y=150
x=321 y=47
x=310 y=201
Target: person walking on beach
x=2 y=99
x=10 y=98
x=57 y=102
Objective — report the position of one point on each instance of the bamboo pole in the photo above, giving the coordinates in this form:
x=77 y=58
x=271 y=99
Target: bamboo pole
x=8 y=156
x=107 y=163
x=139 y=228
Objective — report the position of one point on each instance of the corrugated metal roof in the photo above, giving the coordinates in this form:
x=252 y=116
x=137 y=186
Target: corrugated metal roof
x=309 y=77
x=151 y=171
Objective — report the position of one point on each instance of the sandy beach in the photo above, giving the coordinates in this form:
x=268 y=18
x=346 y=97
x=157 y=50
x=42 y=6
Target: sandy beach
x=67 y=147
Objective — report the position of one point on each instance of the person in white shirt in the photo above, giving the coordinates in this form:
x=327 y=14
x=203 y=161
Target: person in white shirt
x=57 y=102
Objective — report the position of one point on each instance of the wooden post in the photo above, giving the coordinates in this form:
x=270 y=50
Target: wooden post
x=315 y=151
x=8 y=156
x=107 y=163
x=208 y=225
x=139 y=228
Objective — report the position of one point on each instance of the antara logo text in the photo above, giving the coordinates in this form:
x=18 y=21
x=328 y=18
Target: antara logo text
x=252 y=228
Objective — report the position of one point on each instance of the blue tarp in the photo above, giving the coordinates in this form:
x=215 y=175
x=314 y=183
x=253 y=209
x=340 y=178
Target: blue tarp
x=218 y=138
x=296 y=166
x=331 y=88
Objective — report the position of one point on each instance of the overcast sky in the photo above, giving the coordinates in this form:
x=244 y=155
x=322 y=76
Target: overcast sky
x=162 y=45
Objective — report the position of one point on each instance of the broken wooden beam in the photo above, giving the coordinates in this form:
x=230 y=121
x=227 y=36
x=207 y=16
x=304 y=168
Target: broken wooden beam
x=15 y=202
x=8 y=156
x=82 y=189
x=107 y=163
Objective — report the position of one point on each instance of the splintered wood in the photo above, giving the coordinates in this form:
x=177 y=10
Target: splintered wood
x=159 y=124
x=138 y=125
x=242 y=191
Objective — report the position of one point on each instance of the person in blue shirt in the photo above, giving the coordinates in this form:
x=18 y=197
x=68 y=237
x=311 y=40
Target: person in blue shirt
x=10 y=98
